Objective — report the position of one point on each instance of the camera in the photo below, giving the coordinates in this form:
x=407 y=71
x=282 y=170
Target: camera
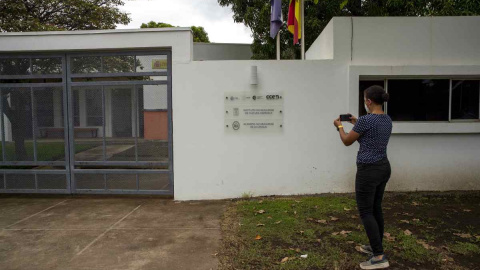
x=345 y=117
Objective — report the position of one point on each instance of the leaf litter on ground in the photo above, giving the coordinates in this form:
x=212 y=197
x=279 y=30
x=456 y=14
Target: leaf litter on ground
x=322 y=221
x=463 y=235
x=389 y=237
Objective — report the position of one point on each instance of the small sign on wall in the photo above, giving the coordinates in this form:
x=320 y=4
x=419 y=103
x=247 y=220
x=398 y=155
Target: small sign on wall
x=247 y=112
x=159 y=63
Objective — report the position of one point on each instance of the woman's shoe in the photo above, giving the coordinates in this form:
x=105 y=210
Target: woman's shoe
x=373 y=263
x=367 y=249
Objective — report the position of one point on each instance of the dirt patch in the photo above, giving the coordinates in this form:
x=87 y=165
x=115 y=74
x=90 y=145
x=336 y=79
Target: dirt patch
x=230 y=240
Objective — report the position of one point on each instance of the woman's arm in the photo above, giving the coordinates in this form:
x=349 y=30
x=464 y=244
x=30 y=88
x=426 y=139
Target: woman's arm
x=350 y=138
x=347 y=139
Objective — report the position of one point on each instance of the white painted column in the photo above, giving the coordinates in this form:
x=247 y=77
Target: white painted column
x=8 y=129
x=108 y=111
x=8 y=126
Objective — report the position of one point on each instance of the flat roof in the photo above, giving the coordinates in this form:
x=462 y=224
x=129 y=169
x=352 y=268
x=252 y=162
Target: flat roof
x=219 y=43
x=93 y=32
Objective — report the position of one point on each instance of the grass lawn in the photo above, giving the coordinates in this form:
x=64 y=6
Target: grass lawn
x=423 y=231
x=46 y=151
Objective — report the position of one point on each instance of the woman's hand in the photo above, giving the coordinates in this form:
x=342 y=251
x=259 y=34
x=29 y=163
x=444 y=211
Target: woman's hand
x=353 y=119
x=337 y=122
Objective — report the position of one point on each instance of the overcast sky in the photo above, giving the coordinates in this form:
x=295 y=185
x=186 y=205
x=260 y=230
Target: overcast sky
x=216 y=20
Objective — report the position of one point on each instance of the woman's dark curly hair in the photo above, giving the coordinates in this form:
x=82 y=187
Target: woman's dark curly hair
x=376 y=94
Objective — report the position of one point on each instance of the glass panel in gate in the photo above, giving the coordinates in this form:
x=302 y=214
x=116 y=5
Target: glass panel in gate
x=123 y=101
x=88 y=126
x=32 y=109
x=122 y=120
x=153 y=137
x=17 y=124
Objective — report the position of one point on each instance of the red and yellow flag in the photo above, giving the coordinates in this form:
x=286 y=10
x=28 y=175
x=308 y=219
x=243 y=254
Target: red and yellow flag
x=294 y=20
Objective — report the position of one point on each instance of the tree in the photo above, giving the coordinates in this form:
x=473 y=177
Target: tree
x=199 y=33
x=45 y=15
x=255 y=14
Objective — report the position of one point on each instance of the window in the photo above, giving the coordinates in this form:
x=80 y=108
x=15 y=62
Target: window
x=465 y=99
x=418 y=100
x=428 y=99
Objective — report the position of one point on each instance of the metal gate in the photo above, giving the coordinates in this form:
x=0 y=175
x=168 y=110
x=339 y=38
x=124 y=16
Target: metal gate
x=86 y=123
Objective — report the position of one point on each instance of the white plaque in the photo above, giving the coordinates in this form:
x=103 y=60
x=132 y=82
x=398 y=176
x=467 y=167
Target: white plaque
x=253 y=112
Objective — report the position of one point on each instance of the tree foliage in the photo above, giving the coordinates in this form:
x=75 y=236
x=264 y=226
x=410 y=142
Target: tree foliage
x=199 y=33
x=255 y=14
x=48 y=15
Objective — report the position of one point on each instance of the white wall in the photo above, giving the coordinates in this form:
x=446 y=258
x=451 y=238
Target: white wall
x=399 y=41
x=209 y=163
x=178 y=38
x=434 y=162
x=308 y=157
x=155 y=97
x=221 y=51
x=416 y=41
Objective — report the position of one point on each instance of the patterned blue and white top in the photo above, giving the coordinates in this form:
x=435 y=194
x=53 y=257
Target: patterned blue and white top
x=374 y=130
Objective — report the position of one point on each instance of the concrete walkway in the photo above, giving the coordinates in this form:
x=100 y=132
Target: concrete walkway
x=96 y=153
x=108 y=233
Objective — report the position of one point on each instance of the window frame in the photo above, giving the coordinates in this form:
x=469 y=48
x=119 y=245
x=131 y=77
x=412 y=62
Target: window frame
x=450 y=103
x=450 y=78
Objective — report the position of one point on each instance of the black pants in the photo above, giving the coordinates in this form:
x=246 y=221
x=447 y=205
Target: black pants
x=370 y=185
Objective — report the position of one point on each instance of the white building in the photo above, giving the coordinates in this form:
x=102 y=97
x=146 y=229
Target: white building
x=430 y=66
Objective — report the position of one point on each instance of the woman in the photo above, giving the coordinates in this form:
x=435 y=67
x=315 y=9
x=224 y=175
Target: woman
x=372 y=131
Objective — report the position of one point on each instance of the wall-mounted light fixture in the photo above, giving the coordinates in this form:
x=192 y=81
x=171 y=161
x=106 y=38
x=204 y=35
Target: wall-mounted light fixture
x=253 y=75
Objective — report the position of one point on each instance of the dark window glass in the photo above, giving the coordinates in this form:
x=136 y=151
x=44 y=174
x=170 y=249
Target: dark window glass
x=465 y=99
x=119 y=64
x=364 y=85
x=47 y=65
x=44 y=107
x=15 y=66
x=418 y=100
x=86 y=64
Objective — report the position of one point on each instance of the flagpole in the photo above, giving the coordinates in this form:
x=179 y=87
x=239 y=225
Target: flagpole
x=302 y=25
x=278 y=45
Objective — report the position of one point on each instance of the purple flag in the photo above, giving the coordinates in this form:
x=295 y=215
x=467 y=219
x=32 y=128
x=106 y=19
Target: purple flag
x=276 y=18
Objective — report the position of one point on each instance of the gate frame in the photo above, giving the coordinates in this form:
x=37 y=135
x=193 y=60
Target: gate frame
x=68 y=122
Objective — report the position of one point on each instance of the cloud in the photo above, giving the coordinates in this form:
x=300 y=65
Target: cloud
x=216 y=20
